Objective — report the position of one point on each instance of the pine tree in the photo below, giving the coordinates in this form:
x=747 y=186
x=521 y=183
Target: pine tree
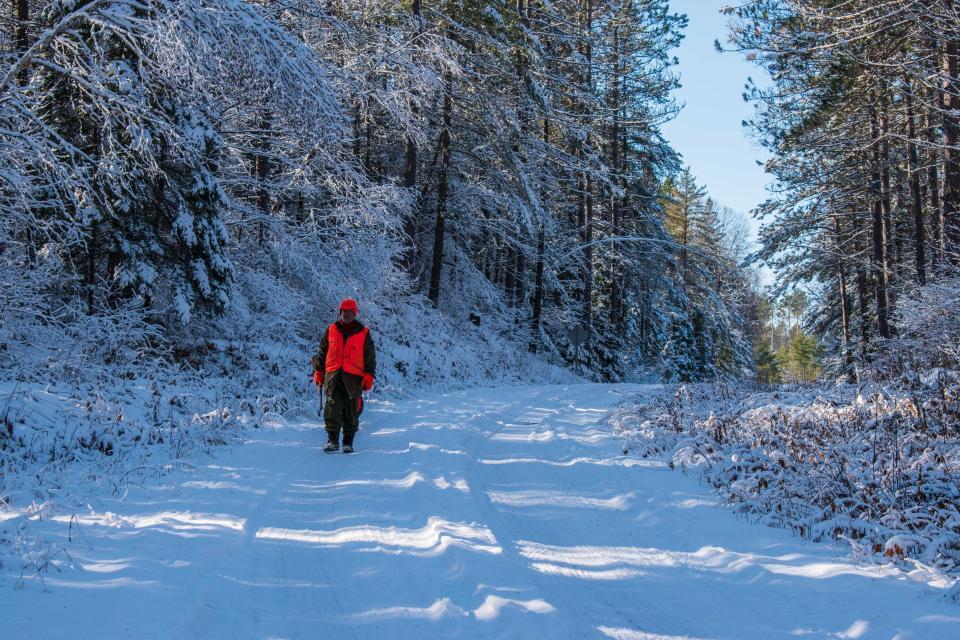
x=861 y=124
x=150 y=213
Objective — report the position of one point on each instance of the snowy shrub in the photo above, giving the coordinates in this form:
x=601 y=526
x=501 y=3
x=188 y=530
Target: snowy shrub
x=929 y=333
x=67 y=431
x=878 y=468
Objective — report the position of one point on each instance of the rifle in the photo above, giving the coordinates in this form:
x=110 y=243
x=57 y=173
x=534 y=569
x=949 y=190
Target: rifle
x=320 y=396
x=315 y=362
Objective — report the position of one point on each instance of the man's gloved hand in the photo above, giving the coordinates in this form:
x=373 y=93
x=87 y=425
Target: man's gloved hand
x=367 y=382
x=318 y=377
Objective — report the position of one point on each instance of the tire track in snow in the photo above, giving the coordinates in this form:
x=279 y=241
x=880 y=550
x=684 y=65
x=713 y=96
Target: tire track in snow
x=514 y=528
x=206 y=618
x=504 y=525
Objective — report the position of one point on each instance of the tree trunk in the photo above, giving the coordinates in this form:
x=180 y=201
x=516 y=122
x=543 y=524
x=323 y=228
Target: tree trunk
x=684 y=240
x=356 y=129
x=91 y=275
x=537 y=295
x=410 y=221
x=933 y=190
x=509 y=282
x=614 y=142
x=410 y=171
x=518 y=282
x=844 y=302
x=916 y=198
x=493 y=253
x=644 y=323
x=588 y=255
x=951 y=138
x=538 y=278
x=22 y=10
x=890 y=255
x=410 y=162
x=261 y=170
x=863 y=298
x=880 y=258
x=368 y=140
x=443 y=186
x=586 y=195
x=501 y=265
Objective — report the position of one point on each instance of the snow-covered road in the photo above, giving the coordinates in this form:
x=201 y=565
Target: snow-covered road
x=504 y=513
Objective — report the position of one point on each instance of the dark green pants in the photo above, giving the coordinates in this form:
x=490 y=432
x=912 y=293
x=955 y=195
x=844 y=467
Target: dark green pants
x=340 y=412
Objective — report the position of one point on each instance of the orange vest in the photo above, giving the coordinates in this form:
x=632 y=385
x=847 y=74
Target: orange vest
x=348 y=357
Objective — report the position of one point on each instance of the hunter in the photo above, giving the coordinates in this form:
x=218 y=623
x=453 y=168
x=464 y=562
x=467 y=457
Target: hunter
x=345 y=366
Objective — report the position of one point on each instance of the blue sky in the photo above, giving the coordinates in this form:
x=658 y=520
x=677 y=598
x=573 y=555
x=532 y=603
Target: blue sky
x=708 y=132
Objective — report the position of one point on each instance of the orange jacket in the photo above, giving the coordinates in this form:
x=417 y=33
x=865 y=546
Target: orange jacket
x=349 y=356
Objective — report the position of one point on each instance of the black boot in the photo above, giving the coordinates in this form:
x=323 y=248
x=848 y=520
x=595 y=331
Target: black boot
x=348 y=441
x=333 y=441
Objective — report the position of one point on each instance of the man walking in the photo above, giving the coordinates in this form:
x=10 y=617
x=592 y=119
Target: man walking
x=345 y=366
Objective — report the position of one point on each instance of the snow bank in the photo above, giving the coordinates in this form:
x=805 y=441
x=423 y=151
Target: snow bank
x=877 y=468
x=98 y=403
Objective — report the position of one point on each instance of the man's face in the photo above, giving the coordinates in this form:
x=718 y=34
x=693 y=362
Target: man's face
x=347 y=315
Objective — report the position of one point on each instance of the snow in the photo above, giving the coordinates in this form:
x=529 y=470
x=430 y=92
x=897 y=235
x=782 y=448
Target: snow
x=183 y=225
x=843 y=463
x=508 y=512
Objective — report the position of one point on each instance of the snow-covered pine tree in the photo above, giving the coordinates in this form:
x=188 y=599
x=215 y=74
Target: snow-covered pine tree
x=332 y=140
x=712 y=340
x=860 y=214
x=148 y=212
